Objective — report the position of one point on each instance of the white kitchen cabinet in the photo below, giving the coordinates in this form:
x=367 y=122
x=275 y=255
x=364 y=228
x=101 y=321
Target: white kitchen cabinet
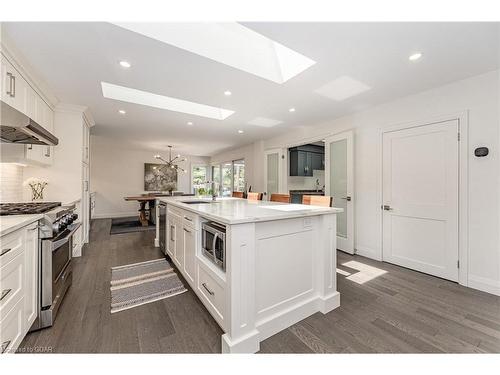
x=18 y=285
x=189 y=241
x=14 y=86
x=31 y=275
x=85 y=213
x=86 y=144
x=179 y=246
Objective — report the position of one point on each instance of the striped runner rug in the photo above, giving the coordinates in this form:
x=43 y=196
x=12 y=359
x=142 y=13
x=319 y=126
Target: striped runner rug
x=140 y=283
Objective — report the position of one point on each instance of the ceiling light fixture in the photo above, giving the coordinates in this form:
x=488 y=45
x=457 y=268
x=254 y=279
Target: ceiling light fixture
x=342 y=88
x=121 y=112
x=240 y=131
x=228 y=93
x=291 y=110
x=229 y=43
x=130 y=95
x=415 y=56
x=189 y=123
x=170 y=163
x=125 y=64
x=264 y=122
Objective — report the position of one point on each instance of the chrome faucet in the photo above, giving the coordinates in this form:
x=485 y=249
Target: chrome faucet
x=212 y=187
x=317 y=185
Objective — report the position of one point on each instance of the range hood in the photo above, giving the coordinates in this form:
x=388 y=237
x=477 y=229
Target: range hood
x=16 y=127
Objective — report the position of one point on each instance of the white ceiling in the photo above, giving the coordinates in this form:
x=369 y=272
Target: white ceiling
x=73 y=59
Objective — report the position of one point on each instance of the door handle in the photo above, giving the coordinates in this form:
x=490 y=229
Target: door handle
x=9 y=91
x=13 y=90
x=386 y=207
x=208 y=290
x=346 y=198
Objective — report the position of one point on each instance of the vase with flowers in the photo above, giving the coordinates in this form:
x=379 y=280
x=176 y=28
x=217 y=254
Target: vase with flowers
x=37 y=185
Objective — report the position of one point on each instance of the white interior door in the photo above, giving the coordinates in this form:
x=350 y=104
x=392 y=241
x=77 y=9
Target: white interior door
x=420 y=198
x=272 y=172
x=339 y=175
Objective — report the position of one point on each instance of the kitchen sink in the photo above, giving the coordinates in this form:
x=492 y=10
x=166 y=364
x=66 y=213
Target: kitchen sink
x=199 y=202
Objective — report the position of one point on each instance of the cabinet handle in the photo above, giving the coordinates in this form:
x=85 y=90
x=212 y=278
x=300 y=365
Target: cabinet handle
x=9 y=91
x=30 y=147
x=5 y=346
x=172 y=236
x=13 y=86
x=5 y=293
x=187 y=218
x=208 y=290
x=187 y=230
x=47 y=154
x=5 y=251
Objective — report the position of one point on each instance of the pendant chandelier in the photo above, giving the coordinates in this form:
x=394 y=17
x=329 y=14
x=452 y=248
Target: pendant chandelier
x=170 y=163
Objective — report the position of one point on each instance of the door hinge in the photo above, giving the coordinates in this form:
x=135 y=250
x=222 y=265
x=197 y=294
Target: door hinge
x=458 y=136
x=458 y=264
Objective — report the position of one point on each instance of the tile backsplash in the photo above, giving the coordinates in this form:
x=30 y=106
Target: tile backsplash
x=306 y=183
x=11 y=183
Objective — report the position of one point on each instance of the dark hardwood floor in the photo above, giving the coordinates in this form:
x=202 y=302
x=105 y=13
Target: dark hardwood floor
x=384 y=309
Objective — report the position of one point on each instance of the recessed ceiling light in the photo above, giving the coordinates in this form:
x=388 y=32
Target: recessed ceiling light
x=190 y=123
x=240 y=131
x=121 y=112
x=291 y=110
x=415 y=56
x=228 y=93
x=342 y=88
x=264 y=122
x=125 y=64
x=229 y=43
x=127 y=94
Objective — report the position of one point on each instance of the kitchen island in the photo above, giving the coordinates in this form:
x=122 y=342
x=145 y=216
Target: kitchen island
x=279 y=268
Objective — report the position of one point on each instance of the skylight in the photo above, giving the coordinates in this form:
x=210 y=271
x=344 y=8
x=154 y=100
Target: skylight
x=342 y=88
x=127 y=94
x=231 y=44
x=264 y=122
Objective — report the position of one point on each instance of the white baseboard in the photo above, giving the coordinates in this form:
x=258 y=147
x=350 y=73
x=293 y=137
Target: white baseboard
x=368 y=252
x=484 y=284
x=115 y=215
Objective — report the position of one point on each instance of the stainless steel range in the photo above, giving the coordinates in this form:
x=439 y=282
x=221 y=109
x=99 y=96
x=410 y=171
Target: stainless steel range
x=56 y=230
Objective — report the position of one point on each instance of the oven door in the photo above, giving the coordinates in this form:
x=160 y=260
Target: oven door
x=56 y=256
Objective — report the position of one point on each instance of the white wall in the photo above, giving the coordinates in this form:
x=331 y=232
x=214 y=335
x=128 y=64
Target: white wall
x=479 y=96
x=254 y=160
x=117 y=171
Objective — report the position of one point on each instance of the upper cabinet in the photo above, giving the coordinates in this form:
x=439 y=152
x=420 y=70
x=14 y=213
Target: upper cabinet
x=18 y=93
x=306 y=159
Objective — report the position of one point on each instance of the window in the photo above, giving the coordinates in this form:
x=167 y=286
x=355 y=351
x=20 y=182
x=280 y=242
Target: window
x=199 y=177
x=239 y=175
x=229 y=176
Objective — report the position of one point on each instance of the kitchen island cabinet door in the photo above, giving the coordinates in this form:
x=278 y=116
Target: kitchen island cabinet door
x=189 y=240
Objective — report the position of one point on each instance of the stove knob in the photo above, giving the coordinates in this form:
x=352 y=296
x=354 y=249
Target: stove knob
x=56 y=227
x=74 y=216
x=68 y=219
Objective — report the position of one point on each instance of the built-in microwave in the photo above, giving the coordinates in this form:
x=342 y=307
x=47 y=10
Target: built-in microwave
x=213 y=243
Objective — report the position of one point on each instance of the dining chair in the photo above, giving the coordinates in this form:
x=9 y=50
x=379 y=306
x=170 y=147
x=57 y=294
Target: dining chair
x=254 y=196
x=317 y=200
x=283 y=198
x=237 y=194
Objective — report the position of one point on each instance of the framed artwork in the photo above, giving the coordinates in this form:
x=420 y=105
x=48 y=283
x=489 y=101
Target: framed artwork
x=159 y=177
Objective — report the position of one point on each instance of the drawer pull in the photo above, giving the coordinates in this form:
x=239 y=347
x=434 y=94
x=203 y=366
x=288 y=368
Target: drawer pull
x=208 y=290
x=5 y=251
x=5 y=293
x=187 y=230
x=5 y=346
x=188 y=218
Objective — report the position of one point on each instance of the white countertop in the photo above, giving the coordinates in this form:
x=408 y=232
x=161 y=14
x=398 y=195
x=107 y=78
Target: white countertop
x=237 y=210
x=10 y=223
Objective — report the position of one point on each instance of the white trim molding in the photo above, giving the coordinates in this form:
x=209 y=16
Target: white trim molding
x=484 y=284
